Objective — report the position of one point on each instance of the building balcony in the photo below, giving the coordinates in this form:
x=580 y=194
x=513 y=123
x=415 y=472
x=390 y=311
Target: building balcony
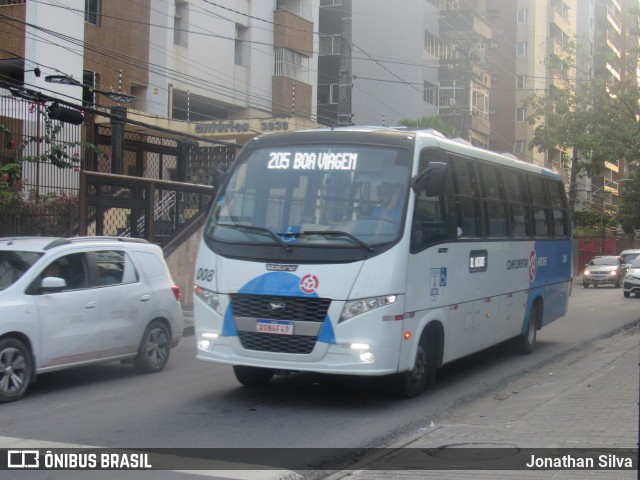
x=290 y=98
x=452 y=22
x=292 y=32
x=559 y=19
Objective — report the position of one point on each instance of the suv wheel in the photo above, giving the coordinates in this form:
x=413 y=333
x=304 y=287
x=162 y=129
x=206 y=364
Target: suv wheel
x=153 y=353
x=15 y=369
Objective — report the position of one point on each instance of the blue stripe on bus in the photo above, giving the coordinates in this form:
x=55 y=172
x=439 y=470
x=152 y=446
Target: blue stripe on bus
x=277 y=283
x=552 y=281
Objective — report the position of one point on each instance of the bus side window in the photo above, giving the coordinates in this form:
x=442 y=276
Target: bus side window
x=429 y=223
x=496 y=207
x=467 y=200
x=559 y=209
x=516 y=192
x=541 y=210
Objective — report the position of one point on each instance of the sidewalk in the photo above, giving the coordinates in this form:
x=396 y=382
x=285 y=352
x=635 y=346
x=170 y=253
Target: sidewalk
x=586 y=401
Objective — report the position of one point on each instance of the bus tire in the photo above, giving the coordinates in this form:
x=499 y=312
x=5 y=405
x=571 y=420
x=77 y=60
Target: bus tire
x=412 y=383
x=525 y=344
x=253 y=376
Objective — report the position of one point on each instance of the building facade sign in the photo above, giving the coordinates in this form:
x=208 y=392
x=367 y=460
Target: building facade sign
x=225 y=127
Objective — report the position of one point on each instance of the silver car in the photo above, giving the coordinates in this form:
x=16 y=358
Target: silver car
x=604 y=270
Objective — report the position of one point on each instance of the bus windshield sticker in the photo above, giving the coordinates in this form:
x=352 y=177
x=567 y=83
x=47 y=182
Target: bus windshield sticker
x=345 y=161
x=443 y=276
x=478 y=261
x=434 y=282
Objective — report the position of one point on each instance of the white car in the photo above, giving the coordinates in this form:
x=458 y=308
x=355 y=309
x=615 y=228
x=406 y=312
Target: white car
x=66 y=302
x=632 y=279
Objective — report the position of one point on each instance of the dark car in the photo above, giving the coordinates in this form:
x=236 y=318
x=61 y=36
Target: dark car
x=604 y=270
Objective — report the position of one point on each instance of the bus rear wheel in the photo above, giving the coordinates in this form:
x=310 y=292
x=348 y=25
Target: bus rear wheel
x=525 y=344
x=253 y=376
x=412 y=383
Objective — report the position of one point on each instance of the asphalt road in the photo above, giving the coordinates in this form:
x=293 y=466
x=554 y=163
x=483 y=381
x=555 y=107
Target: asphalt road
x=192 y=404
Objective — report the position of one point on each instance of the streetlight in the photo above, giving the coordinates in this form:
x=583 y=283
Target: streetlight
x=67 y=80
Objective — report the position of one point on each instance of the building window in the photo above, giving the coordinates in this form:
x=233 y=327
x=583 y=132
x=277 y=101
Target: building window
x=521 y=49
x=518 y=147
x=521 y=82
x=430 y=93
x=180 y=22
x=92 y=11
x=289 y=63
x=330 y=3
x=521 y=114
x=451 y=97
x=328 y=94
x=434 y=47
x=330 y=45
x=241 y=46
x=522 y=15
x=293 y=6
x=480 y=105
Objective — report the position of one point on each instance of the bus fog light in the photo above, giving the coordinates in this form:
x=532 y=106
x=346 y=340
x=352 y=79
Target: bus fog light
x=205 y=340
x=367 y=356
x=364 y=352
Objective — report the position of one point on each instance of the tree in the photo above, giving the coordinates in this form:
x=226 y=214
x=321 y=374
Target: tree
x=594 y=119
x=629 y=212
x=436 y=123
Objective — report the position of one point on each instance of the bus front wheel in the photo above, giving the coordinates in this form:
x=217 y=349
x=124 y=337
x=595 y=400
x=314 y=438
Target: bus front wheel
x=253 y=376
x=412 y=383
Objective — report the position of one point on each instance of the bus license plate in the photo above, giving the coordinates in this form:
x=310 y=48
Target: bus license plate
x=277 y=327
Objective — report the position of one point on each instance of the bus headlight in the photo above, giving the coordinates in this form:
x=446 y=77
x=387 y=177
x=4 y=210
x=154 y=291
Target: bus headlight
x=212 y=299
x=356 y=307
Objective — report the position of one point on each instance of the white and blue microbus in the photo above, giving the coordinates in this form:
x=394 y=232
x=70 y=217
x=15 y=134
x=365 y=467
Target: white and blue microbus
x=377 y=252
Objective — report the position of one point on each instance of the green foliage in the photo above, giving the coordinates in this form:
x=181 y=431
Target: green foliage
x=595 y=119
x=593 y=223
x=630 y=204
x=55 y=151
x=437 y=123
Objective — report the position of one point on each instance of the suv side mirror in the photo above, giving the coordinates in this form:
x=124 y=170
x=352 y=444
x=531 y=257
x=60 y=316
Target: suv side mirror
x=52 y=284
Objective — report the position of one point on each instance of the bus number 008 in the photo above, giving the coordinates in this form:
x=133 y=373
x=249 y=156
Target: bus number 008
x=205 y=274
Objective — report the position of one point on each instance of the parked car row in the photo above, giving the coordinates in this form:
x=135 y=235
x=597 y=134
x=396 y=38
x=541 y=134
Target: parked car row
x=80 y=301
x=618 y=270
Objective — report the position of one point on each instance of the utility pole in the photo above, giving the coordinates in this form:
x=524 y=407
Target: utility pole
x=344 y=81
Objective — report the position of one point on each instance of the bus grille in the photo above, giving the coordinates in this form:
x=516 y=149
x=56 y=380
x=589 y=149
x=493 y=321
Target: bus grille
x=272 y=307
x=287 y=308
x=277 y=343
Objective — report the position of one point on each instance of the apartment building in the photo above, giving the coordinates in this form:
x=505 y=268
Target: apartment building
x=185 y=61
x=527 y=31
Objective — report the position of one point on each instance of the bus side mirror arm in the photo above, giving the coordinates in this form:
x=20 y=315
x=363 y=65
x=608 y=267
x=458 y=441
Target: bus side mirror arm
x=432 y=179
x=219 y=178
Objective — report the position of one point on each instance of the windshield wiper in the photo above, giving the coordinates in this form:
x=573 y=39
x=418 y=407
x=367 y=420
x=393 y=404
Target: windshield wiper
x=240 y=226
x=334 y=233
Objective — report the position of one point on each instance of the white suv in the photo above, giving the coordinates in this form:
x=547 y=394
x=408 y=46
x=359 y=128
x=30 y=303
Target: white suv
x=66 y=302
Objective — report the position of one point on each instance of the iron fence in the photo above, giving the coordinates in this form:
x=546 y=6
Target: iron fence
x=138 y=207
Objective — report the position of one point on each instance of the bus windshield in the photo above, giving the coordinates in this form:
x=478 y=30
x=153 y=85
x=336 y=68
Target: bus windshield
x=314 y=195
